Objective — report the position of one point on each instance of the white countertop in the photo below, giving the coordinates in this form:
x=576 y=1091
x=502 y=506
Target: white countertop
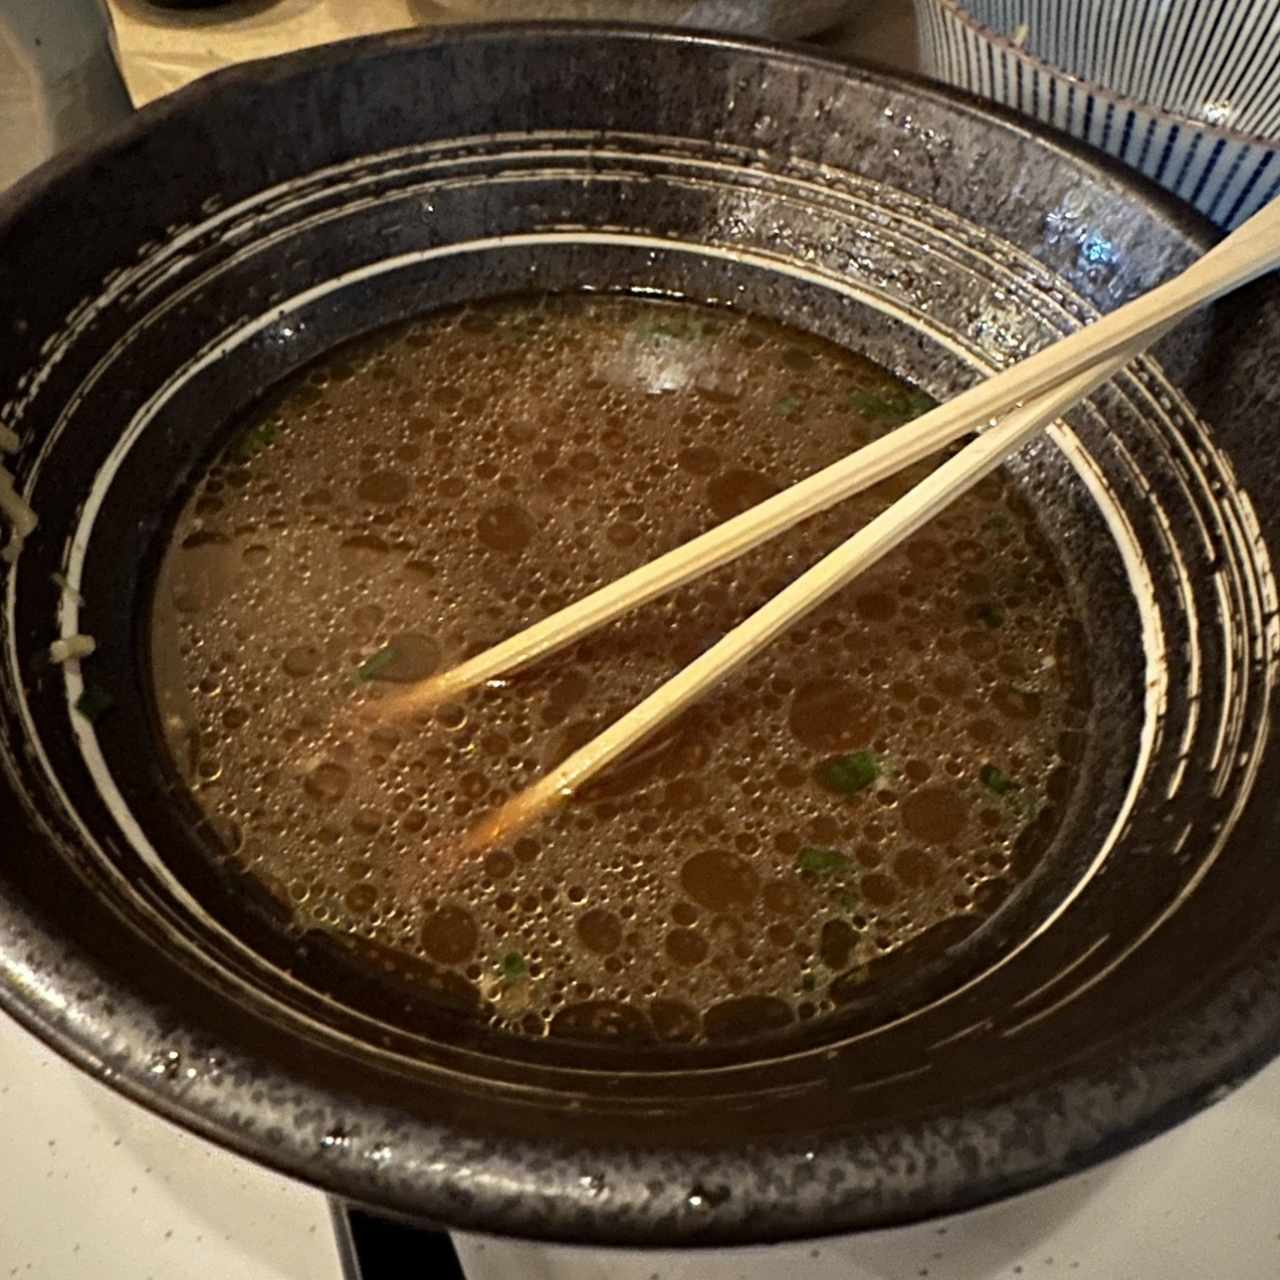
x=93 y=1186
x=1198 y=1203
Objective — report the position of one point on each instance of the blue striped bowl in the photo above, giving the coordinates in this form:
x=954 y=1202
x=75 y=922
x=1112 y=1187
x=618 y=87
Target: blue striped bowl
x=1185 y=91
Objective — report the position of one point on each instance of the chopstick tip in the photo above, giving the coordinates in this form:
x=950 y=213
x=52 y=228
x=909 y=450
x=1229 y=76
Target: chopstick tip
x=417 y=699
x=517 y=815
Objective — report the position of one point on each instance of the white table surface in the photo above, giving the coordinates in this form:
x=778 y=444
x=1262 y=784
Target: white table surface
x=1199 y=1203
x=93 y=1186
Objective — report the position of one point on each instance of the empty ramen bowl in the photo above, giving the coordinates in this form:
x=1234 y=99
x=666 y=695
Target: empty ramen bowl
x=1185 y=93
x=1130 y=978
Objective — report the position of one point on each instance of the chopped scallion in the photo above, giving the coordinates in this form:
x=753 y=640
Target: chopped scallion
x=373 y=666
x=996 y=780
x=822 y=862
x=891 y=405
x=253 y=441
x=679 y=328
x=94 y=702
x=848 y=774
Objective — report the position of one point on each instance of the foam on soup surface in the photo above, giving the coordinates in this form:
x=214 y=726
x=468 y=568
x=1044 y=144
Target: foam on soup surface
x=889 y=765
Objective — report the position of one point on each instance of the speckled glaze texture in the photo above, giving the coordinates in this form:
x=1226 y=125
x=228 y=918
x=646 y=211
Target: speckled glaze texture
x=1136 y=974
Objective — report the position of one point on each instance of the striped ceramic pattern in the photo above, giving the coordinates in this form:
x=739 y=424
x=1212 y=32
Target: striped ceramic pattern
x=1192 y=87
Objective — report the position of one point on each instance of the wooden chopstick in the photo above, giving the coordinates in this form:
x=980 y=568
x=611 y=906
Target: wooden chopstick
x=1248 y=252
x=919 y=505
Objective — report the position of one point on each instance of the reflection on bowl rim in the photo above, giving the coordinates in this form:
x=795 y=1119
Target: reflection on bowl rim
x=1095 y=87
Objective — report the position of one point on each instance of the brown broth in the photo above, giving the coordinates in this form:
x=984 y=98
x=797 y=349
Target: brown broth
x=423 y=493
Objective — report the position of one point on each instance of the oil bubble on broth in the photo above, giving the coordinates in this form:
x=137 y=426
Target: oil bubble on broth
x=882 y=770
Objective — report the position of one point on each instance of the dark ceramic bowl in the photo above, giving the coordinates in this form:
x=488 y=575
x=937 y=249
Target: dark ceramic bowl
x=156 y=283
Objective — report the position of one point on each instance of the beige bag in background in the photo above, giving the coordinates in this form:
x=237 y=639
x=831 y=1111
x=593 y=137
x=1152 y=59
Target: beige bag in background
x=58 y=79
x=163 y=49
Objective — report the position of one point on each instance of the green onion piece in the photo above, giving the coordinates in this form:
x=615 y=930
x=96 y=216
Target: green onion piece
x=513 y=965
x=253 y=441
x=871 y=405
x=822 y=862
x=787 y=406
x=891 y=405
x=94 y=702
x=996 y=780
x=680 y=328
x=848 y=774
x=990 y=614
x=373 y=666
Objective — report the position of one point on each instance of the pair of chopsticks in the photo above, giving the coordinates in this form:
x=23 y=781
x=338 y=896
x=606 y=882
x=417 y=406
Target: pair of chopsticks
x=1006 y=409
